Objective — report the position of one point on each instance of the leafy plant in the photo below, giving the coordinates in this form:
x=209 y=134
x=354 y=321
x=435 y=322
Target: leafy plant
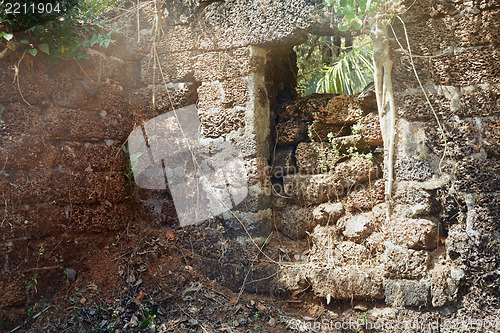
x=150 y=320
x=350 y=73
x=353 y=12
x=64 y=31
x=129 y=173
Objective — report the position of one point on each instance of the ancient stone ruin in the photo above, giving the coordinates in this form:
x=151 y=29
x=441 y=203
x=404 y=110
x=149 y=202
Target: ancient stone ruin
x=412 y=226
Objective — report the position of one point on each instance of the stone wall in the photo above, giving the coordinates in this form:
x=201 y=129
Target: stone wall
x=63 y=172
x=319 y=160
x=442 y=233
x=450 y=177
x=234 y=53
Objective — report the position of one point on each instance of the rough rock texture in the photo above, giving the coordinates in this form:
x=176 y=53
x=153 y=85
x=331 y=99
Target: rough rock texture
x=296 y=221
x=320 y=188
x=400 y=293
x=314 y=158
x=445 y=281
x=402 y=263
x=327 y=213
x=290 y=132
x=417 y=234
x=330 y=109
x=446 y=170
x=320 y=131
x=365 y=196
x=367 y=100
x=357 y=227
x=370 y=130
x=349 y=282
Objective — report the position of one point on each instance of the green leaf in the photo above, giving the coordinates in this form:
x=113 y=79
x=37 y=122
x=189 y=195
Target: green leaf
x=44 y=48
x=33 y=52
x=349 y=12
x=24 y=41
x=154 y=310
x=94 y=40
x=7 y=36
x=144 y=324
x=342 y=27
x=357 y=24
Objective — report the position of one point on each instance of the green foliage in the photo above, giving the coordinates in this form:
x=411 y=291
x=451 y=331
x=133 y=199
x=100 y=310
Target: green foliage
x=129 y=173
x=326 y=68
x=150 y=320
x=64 y=29
x=311 y=58
x=330 y=155
x=353 y=12
x=350 y=73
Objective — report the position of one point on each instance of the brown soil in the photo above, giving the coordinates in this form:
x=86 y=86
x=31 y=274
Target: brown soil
x=122 y=276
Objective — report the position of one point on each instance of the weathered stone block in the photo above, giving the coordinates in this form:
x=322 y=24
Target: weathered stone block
x=21 y=119
x=470 y=250
x=410 y=201
x=416 y=234
x=357 y=227
x=70 y=123
x=296 y=221
x=67 y=187
x=320 y=131
x=290 y=132
x=445 y=281
x=414 y=106
x=402 y=263
x=480 y=100
x=402 y=293
x=328 y=213
x=90 y=95
x=370 y=130
x=325 y=187
x=225 y=65
x=457 y=133
x=477 y=175
x=28 y=152
x=365 y=196
x=345 y=144
x=225 y=94
x=292 y=278
x=13 y=225
x=490 y=133
x=313 y=158
x=219 y=122
x=167 y=98
x=101 y=67
x=350 y=253
x=484 y=217
x=34 y=84
x=93 y=156
x=330 y=109
x=176 y=67
x=346 y=283
x=407 y=168
x=367 y=100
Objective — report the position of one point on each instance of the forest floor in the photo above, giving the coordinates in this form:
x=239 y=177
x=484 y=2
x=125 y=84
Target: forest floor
x=146 y=280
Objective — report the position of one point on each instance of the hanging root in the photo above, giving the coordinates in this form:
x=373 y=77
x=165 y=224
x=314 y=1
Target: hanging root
x=385 y=99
